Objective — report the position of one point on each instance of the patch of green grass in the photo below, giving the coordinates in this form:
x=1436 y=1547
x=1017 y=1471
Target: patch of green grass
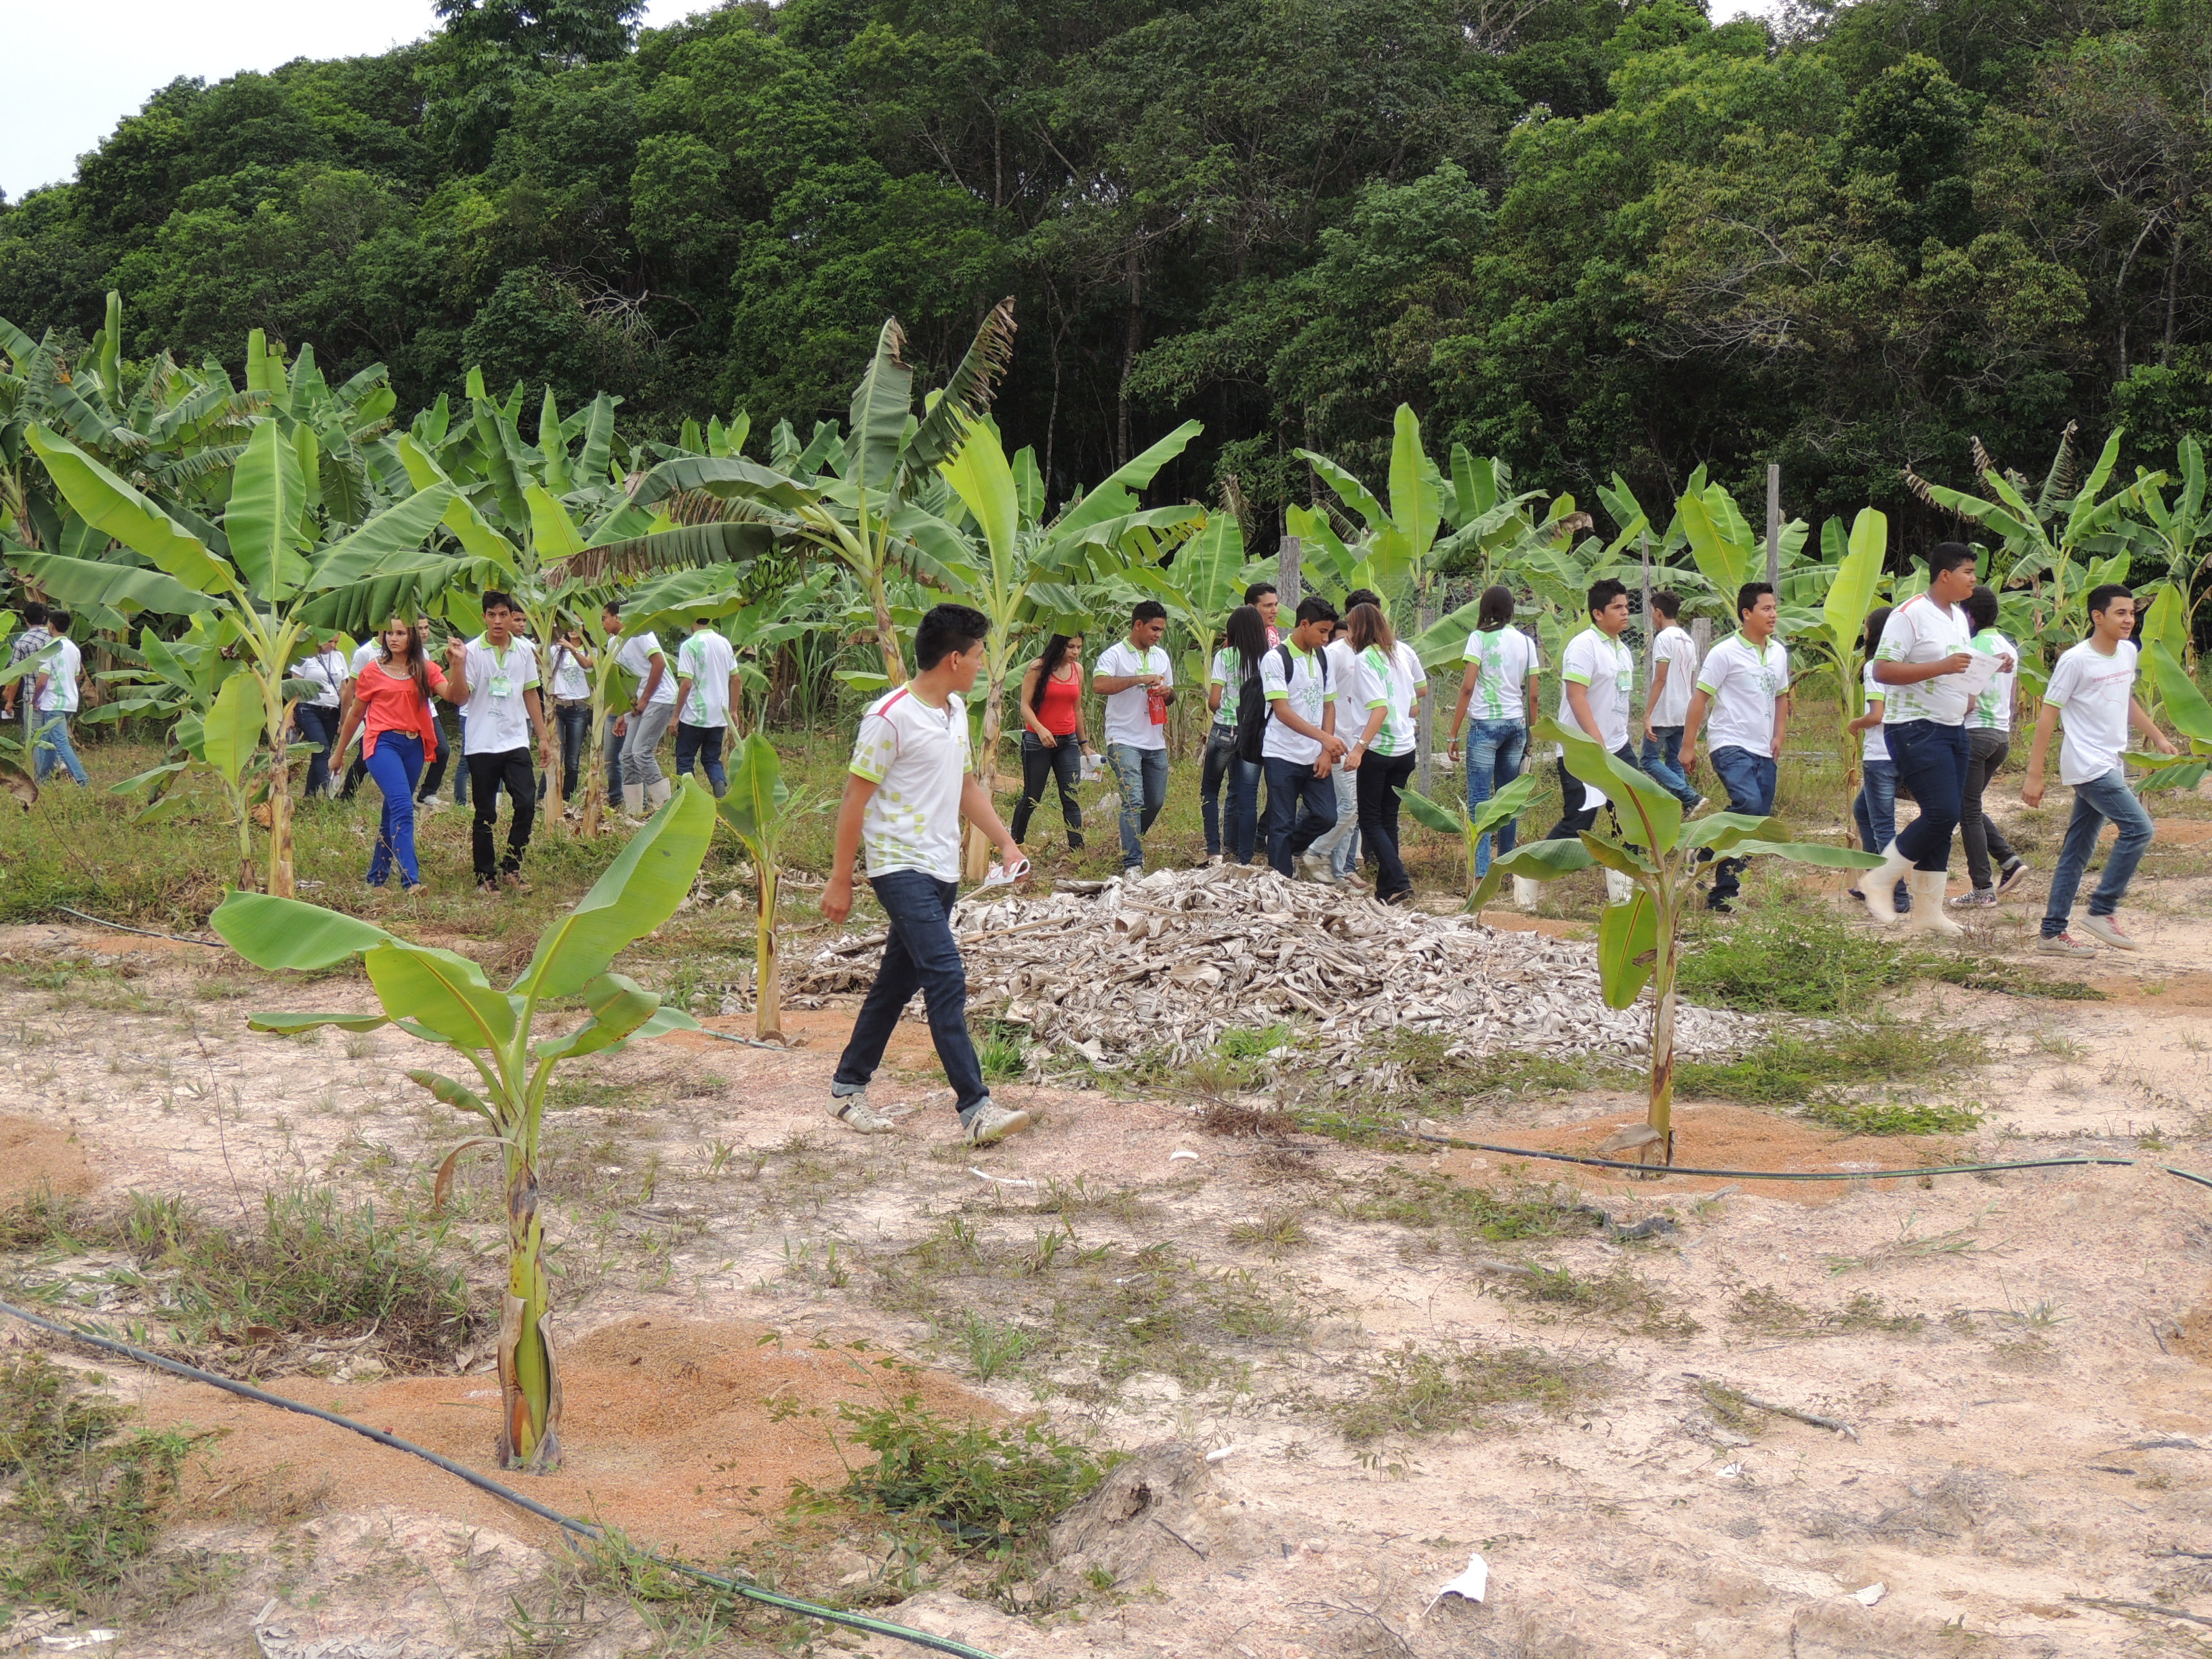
x=1002 y=1051
x=2010 y=979
x=1620 y=1297
x=1766 y=1309
x=85 y=1495
x=1451 y=1082
x=992 y=1348
x=992 y=1489
x=1251 y=1042
x=1430 y=1391
x=1881 y=1117
x=1789 y=1069
x=1793 y=958
x=317 y=1266
x=1277 y=1233
x=42 y=1221
x=1424 y=1201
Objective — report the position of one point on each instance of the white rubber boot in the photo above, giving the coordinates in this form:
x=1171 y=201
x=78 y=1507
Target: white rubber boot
x=1525 y=892
x=657 y=794
x=1927 y=915
x=1880 y=885
x=634 y=800
x=1619 y=889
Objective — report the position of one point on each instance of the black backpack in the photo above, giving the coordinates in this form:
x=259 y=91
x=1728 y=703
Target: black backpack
x=1252 y=711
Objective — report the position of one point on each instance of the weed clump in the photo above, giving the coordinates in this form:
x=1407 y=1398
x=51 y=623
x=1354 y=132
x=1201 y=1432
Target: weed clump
x=991 y=1489
x=1431 y=1391
x=85 y=1495
x=1880 y=1117
x=1791 y=1069
x=1768 y=1310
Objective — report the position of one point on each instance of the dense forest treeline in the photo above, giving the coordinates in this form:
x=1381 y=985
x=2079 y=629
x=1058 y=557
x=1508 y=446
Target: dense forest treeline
x=1580 y=236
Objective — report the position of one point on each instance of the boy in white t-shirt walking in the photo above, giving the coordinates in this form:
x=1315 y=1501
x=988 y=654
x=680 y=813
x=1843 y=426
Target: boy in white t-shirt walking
x=910 y=786
x=1597 y=675
x=2094 y=685
x=54 y=700
x=1744 y=683
x=706 y=690
x=1137 y=679
x=1667 y=702
x=1300 y=748
x=493 y=680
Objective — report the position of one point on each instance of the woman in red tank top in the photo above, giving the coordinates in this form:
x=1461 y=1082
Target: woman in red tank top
x=1053 y=743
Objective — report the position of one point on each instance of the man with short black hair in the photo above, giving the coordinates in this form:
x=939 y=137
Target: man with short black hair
x=1263 y=597
x=2093 y=684
x=493 y=680
x=1300 y=748
x=1666 y=700
x=1744 y=683
x=1597 y=678
x=1922 y=660
x=1137 y=678
x=707 y=689
x=907 y=789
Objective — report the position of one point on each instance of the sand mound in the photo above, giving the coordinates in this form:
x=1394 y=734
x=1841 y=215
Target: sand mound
x=687 y=1435
x=39 y=1157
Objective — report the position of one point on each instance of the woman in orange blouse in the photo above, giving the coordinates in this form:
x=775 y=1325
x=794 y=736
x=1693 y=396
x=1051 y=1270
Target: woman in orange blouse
x=392 y=696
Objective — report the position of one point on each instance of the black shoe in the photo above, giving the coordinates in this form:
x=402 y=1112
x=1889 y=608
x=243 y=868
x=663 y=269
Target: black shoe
x=1719 y=906
x=2015 y=868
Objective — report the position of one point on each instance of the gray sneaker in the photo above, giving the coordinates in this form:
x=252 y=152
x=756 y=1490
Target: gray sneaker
x=1980 y=896
x=2106 y=930
x=991 y=1121
x=2065 y=945
x=852 y=1110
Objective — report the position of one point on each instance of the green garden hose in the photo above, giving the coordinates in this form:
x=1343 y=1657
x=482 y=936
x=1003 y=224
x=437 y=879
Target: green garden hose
x=859 y=1622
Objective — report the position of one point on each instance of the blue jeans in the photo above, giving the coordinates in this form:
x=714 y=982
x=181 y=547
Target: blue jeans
x=317 y=726
x=52 y=743
x=576 y=724
x=2095 y=803
x=1876 y=809
x=1238 y=833
x=396 y=766
x=1142 y=775
x=1749 y=780
x=1663 y=760
x=1495 y=750
x=1932 y=760
x=704 y=744
x=921 y=955
x=1291 y=785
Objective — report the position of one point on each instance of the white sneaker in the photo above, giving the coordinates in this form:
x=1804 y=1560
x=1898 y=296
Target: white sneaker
x=852 y=1111
x=1314 y=867
x=1213 y=860
x=991 y=1121
x=2107 y=928
x=431 y=804
x=2065 y=945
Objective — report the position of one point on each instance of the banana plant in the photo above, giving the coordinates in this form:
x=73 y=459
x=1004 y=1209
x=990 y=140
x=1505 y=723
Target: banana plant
x=444 y=999
x=2191 y=716
x=1033 y=573
x=759 y=809
x=1837 y=634
x=272 y=556
x=1639 y=942
x=2175 y=531
x=2059 y=546
x=1454 y=820
x=874 y=510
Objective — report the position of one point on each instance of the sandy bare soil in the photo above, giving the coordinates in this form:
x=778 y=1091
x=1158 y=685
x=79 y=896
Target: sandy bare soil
x=2021 y=1358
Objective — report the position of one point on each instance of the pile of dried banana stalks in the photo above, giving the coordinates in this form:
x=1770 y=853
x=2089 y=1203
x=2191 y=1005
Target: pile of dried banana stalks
x=1169 y=961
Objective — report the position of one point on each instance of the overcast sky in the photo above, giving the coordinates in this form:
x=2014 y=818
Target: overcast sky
x=80 y=66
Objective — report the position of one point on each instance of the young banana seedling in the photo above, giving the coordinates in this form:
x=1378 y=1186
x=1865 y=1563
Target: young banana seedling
x=1647 y=842
x=444 y=999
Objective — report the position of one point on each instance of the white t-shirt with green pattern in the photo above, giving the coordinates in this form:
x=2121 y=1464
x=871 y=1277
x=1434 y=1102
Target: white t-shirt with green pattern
x=917 y=758
x=1509 y=662
x=1992 y=710
x=1390 y=683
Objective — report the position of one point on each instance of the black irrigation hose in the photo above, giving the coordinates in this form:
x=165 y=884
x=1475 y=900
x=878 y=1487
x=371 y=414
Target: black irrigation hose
x=1791 y=1175
x=860 y=1621
x=142 y=933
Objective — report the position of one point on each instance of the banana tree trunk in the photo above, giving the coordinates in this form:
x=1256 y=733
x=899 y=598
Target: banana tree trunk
x=594 y=762
x=280 y=797
x=976 y=850
x=1848 y=741
x=249 y=869
x=886 y=634
x=768 y=967
x=1424 y=740
x=1661 y=1116
x=529 y=1385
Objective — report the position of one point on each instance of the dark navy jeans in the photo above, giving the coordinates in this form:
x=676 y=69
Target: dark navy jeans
x=1291 y=785
x=921 y=955
x=1749 y=780
x=1932 y=760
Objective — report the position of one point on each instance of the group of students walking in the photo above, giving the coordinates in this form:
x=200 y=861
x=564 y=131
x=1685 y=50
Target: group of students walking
x=46 y=692
x=388 y=691
x=1323 y=714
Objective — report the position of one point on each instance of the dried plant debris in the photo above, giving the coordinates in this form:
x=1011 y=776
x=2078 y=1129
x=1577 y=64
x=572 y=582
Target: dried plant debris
x=1163 y=964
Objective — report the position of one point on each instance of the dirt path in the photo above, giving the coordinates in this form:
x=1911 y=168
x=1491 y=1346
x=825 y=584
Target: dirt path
x=2022 y=1356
